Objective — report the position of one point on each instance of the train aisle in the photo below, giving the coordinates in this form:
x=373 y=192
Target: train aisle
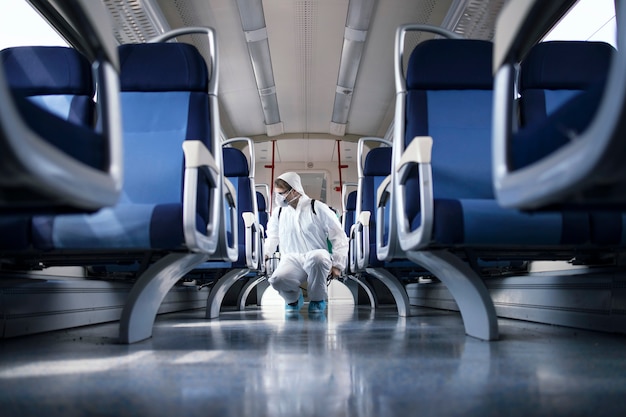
x=351 y=362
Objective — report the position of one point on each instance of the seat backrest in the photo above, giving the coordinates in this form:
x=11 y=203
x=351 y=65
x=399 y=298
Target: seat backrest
x=262 y=207
x=376 y=168
x=165 y=102
x=349 y=215
x=552 y=75
x=237 y=172
x=449 y=97
x=58 y=79
x=554 y=72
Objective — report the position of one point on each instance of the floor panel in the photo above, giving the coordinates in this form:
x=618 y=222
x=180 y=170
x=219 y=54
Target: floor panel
x=349 y=362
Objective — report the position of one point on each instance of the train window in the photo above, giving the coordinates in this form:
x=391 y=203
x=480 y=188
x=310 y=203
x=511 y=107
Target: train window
x=314 y=184
x=22 y=25
x=588 y=20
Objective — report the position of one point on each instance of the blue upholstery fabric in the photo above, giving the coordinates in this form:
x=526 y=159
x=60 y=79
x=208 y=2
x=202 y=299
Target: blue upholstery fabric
x=554 y=72
x=158 y=115
x=236 y=170
x=262 y=206
x=53 y=86
x=461 y=67
x=47 y=70
x=450 y=99
x=561 y=86
x=350 y=212
x=56 y=78
x=565 y=65
x=179 y=64
x=53 y=89
x=549 y=133
x=377 y=166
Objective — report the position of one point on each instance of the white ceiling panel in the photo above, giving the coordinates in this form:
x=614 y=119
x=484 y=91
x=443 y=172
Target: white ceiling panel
x=305 y=40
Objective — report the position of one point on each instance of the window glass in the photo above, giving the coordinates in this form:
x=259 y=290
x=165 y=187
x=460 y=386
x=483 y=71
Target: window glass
x=588 y=20
x=21 y=24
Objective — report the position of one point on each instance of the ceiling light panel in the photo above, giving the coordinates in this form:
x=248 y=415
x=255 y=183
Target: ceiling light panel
x=253 y=25
x=355 y=34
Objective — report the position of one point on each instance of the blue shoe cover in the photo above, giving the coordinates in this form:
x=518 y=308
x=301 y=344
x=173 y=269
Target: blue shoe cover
x=296 y=307
x=317 y=306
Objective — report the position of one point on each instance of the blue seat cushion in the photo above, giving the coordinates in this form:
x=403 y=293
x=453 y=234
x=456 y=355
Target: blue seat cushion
x=123 y=227
x=483 y=222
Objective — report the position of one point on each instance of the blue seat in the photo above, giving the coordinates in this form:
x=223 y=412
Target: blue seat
x=556 y=77
x=363 y=260
x=570 y=154
x=57 y=80
x=552 y=74
x=449 y=98
x=376 y=168
x=240 y=173
x=172 y=206
x=53 y=157
x=442 y=181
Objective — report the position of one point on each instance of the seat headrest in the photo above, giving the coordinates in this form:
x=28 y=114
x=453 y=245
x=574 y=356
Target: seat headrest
x=162 y=67
x=235 y=163
x=351 y=201
x=571 y=65
x=47 y=70
x=378 y=162
x=451 y=64
x=260 y=201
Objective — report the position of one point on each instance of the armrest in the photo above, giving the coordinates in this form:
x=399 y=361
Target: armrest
x=198 y=157
x=362 y=240
x=254 y=240
x=385 y=220
x=229 y=249
x=418 y=152
x=351 y=265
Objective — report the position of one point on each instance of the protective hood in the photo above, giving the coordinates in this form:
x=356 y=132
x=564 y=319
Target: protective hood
x=293 y=180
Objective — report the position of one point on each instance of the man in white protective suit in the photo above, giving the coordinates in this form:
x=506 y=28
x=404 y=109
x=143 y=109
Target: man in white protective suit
x=301 y=228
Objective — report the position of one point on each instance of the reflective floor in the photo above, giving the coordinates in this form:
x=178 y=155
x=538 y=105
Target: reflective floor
x=350 y=362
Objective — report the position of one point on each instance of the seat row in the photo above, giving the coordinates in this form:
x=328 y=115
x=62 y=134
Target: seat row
x=188 y=199
x=428 y=197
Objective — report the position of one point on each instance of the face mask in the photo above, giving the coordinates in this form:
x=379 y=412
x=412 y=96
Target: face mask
x=282 y=201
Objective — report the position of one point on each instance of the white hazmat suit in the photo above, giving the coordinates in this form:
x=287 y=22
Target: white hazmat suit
x=301 y=237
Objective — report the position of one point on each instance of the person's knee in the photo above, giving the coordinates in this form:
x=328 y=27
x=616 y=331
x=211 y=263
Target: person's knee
x=319 y=258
